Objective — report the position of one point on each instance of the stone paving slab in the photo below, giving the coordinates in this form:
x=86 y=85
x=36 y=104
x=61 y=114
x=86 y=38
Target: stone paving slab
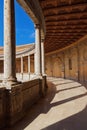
x=63 y=108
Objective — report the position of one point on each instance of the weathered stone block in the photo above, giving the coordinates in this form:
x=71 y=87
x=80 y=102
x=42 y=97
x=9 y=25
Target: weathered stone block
x=2 y=107
x=14 y=102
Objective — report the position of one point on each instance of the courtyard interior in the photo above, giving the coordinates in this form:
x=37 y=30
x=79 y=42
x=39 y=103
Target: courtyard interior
x=63 y=108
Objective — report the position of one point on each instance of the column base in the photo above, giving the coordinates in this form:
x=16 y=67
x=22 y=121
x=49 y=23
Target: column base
x=29 y=75
x=44 y=74
x=8 y=83
x=38 y=74
x=21 y=76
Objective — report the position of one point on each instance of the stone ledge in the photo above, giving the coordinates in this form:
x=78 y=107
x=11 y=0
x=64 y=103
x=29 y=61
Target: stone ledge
x=14 y=102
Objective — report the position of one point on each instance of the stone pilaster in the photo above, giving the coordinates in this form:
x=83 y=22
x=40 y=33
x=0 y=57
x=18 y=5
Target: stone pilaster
x=38 y=50
x=9 y=43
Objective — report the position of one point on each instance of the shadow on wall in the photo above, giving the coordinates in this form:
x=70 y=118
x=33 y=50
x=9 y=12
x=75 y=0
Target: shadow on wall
x=76 y=122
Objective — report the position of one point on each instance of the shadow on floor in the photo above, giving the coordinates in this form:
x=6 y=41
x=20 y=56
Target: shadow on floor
x=67 y=100
x=44 y=105
x=56 y=79
x=65 y=83
x=69 y=88
x=75 y=122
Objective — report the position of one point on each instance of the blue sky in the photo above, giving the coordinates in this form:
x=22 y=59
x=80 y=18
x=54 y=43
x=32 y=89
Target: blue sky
x=24 y=26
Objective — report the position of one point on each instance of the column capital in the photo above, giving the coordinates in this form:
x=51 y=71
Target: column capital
x=42 y=40
x=37 y=26
x=21 y=56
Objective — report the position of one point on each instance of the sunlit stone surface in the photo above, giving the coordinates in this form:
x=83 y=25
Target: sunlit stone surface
x=64 y=108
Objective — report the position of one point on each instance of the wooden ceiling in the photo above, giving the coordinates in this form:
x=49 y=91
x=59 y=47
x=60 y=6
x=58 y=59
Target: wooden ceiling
x=66 y=22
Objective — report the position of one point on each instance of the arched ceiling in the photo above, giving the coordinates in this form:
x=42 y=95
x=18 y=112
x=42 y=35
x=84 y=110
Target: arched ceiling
x=66 y=22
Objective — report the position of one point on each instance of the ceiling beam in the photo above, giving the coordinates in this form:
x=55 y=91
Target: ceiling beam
x=79 y=3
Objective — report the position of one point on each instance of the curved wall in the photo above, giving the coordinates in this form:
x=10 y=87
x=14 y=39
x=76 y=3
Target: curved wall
x=18 y=65
x=69 y=63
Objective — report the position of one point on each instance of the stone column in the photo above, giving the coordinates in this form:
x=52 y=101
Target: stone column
x=22 y=66
x=44 y=84
x=9 y=42
x=37 y=50
x=29 y=65
x=42 y=57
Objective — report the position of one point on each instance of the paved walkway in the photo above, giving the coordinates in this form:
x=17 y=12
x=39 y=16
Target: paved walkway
x=64 y=108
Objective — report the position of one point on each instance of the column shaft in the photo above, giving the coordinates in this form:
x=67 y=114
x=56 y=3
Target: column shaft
x=42 y=57
x=37 y=50
x=28 y=64
x=9 y=41
x=21 y=65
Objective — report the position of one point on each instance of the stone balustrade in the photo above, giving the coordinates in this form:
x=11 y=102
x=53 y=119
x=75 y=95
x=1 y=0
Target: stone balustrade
x=15 y=101
x=20 y=77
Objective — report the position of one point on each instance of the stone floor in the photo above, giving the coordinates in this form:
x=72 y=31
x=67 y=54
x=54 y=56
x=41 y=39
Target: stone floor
x=63 y=108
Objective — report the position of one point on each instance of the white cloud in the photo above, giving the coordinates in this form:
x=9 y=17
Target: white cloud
x=32 y=35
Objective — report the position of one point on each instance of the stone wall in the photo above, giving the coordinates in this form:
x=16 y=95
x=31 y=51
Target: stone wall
x=2 y=107
x=32 y=66
x=18 y=65
x=69 y=63
x=1 y=66
x=30 y=92
x=15 y=102
x=1 y=77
